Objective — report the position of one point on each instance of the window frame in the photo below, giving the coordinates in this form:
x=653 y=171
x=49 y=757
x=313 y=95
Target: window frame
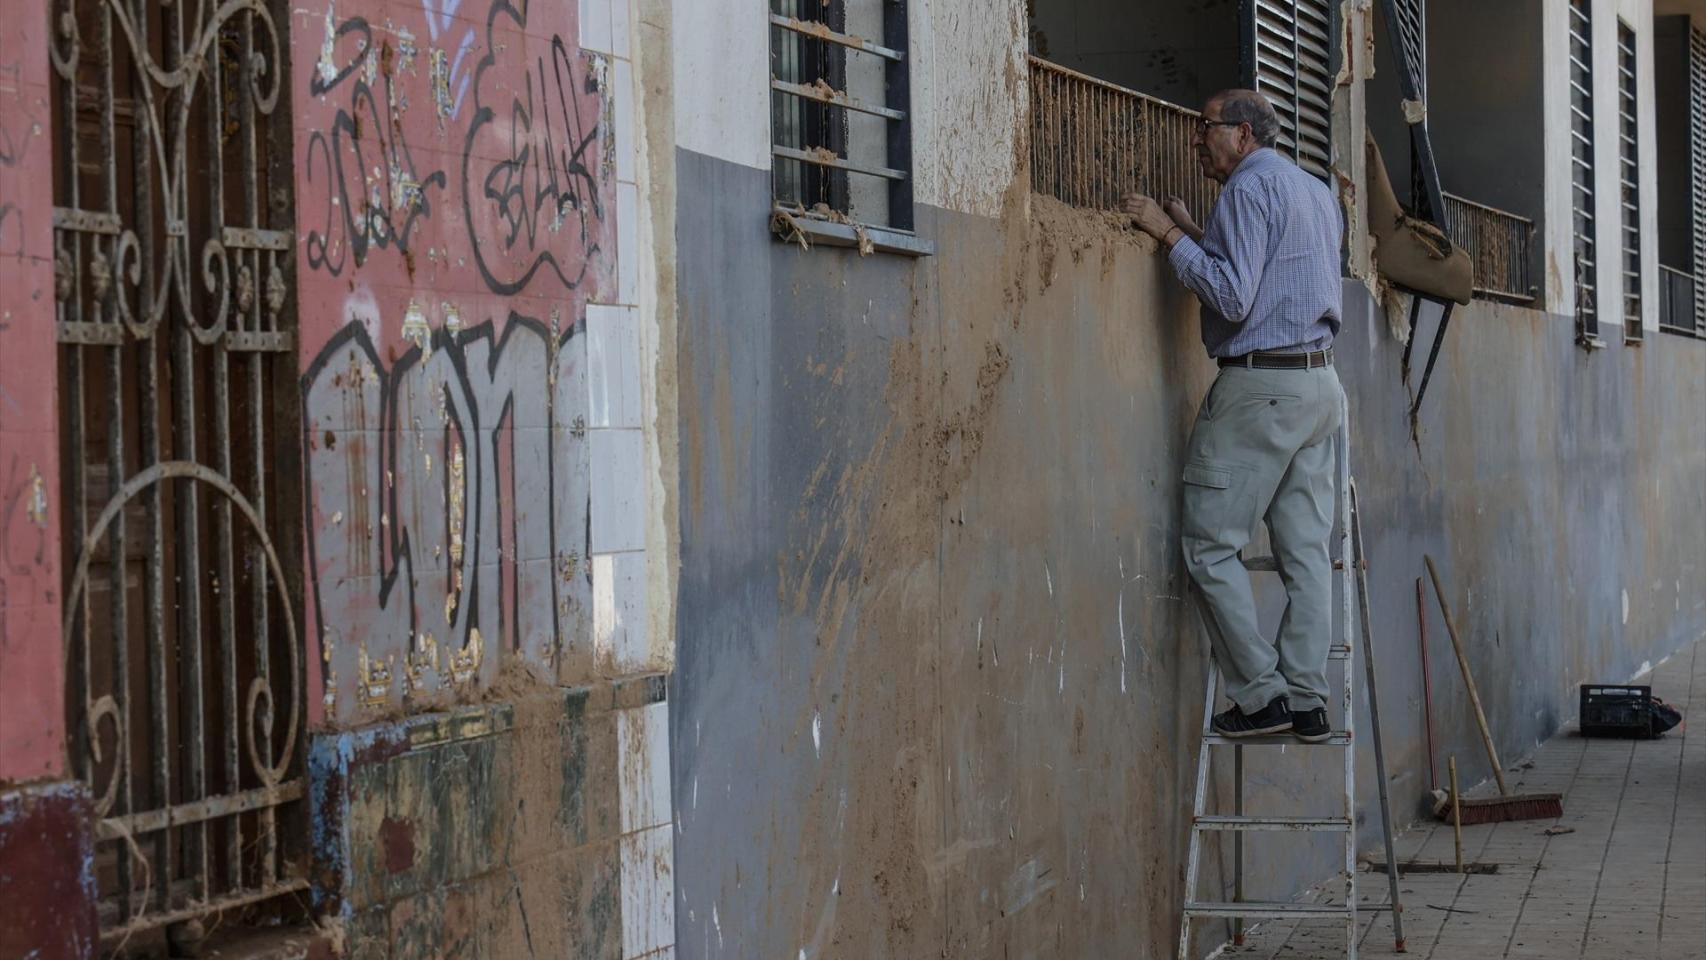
x=1583 y=192
x=1629 y=179
x=821 y=156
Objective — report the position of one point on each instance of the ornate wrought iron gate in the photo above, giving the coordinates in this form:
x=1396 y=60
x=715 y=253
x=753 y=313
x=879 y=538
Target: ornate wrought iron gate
x=175 y=317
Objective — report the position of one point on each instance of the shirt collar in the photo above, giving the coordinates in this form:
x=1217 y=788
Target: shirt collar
x=1261 y=158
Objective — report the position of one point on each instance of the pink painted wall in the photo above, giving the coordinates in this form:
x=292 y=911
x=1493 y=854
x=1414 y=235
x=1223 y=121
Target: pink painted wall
x=32 y=715
x=455 y=212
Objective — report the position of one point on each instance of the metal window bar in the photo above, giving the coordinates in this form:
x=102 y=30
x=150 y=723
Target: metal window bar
x=810 y=104
x=1499 y=244
x=1697 y=142
x=1629 y=181
x=1582 y=135
x=1092 y=141
x=172 y=245
x=1677 y=301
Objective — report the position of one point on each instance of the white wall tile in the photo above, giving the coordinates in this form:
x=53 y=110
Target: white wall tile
x=642 y=750
x=648 y=891
x=623 y=93
x=595 y=25
x=627 y=243
x=613 y=366
x=618 y=490
x=621 y=630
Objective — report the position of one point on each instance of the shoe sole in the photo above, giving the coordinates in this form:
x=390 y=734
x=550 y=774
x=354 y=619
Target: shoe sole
x=1255 y=732
x=1313 y=737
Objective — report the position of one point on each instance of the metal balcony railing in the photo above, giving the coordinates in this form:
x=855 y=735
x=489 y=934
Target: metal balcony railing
x=1676 y=302
x=1499 y=243
x=1092 y=141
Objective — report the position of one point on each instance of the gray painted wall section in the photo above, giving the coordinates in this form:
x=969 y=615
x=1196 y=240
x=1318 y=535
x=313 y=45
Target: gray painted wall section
x=937 y=687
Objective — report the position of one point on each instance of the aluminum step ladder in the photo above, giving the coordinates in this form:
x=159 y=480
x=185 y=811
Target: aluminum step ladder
x=1353 y=581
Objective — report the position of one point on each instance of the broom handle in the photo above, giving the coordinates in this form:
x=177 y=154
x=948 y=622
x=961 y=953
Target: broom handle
x=1468 y=678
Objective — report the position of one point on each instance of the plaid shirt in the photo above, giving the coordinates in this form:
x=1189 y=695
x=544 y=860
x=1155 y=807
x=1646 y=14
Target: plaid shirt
x=1267 y=270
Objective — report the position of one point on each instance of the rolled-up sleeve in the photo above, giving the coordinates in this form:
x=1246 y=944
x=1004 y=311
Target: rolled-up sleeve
x=1225 y=267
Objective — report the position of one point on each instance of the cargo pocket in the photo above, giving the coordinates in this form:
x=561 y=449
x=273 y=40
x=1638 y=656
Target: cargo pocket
x=1206 y=500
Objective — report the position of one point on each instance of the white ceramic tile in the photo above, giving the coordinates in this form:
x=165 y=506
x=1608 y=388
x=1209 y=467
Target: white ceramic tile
x=613 y=366
x=648 y=891
x=595 y=25
x=618 y=490
x=623 y=93
x=632 y=647
x=621 y=627
x=627 y=233
x=642 y=751
x=604 y=612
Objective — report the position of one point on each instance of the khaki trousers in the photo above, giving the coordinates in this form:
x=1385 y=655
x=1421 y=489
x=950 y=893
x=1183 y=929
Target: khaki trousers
x=1262 y=450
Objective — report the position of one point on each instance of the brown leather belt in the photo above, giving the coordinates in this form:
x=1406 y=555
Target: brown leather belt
x=1261 y=360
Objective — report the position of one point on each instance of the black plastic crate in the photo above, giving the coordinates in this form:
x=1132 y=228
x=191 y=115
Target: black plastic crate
x=1616 y=710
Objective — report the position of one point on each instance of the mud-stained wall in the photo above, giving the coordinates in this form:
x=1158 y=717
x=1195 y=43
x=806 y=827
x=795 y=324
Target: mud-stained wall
x=938 y=683
x=31 y=663
x=458 y=203
x=507 y=830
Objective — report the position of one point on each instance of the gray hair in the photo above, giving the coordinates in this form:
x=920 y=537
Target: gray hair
x=1238 y=105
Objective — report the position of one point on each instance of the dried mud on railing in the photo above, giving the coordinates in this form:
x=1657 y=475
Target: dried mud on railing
x=1092 y=141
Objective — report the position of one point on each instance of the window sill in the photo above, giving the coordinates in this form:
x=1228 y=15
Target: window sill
x=793 y=226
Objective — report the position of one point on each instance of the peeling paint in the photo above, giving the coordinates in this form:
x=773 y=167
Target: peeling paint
x=37 y=508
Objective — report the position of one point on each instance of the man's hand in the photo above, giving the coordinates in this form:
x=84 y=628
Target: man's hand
x=1181 y=214
x=1147 y=214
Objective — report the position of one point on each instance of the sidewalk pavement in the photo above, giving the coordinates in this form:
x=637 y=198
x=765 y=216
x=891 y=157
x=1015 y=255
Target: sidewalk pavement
x=1622 y=876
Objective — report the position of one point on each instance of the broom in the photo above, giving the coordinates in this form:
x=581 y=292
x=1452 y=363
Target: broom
x=1505 y=806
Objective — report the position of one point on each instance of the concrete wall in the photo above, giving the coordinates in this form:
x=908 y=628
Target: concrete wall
x=32 y=668
x=937 y=685
x=47 y=907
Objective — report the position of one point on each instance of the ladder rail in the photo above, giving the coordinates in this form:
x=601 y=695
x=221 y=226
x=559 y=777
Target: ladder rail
x=1347 y=585
x=1350 y=566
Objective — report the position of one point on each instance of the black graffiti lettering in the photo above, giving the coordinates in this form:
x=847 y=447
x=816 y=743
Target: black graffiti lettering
x=544 y=179
x=452 y=501
x=376 y=194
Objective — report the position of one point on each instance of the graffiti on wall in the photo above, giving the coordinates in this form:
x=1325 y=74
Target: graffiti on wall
x=449 y=515
x=508 y=123
x=454 y=187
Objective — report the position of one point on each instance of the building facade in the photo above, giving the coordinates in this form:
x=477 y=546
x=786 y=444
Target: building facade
x=620 y=479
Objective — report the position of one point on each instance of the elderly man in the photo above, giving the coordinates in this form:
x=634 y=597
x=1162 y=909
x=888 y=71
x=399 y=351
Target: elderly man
x=1266 y=270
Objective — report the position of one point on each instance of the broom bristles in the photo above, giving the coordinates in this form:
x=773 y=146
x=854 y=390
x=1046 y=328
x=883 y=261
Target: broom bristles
x=1519 y=806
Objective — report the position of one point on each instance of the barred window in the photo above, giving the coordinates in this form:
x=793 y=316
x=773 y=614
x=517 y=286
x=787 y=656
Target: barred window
x=1629 y=180
x=841 y=124
x=1581 y=161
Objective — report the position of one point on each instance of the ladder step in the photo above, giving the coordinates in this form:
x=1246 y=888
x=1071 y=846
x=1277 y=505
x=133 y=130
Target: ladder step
x=1338 y=739
x=1338 y=651
x=1253 y=908
x=1273 y=823
x=1271 y=565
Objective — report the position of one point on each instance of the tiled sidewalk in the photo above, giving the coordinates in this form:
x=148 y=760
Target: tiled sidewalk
x=1628 y=883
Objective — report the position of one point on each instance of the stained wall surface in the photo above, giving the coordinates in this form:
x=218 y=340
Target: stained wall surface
x=938 y=681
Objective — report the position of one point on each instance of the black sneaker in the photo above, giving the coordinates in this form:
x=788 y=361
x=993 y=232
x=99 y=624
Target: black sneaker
x=1311 y=726
x=1273 y=718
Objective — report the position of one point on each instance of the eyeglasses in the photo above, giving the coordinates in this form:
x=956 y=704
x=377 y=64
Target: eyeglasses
x=1203 y=123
